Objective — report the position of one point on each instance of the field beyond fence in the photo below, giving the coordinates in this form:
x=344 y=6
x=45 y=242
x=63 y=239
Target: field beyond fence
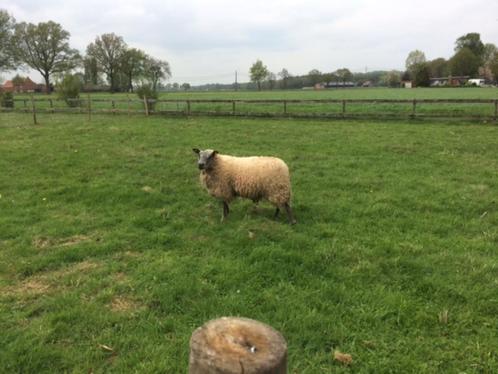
x=470 y=109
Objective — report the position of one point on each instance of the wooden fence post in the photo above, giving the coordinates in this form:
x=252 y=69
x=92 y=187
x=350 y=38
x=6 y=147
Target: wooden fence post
x=237 y=345
x=25 y=106
x=233 y=107
x=285 y=106
x=51 y=105
x=129 y=104
x=146 y=106
x=188 y=108
x=34 y=109
x=414 y=107
x=496 y=110
x=89 y=107
x=113 y=104
x=343 y=108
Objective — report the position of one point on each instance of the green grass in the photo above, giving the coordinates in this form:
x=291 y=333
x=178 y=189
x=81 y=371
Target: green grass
x=111 y=254
x=374 y=109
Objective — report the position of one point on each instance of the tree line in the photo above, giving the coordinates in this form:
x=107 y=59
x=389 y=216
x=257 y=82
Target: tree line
x=108 y=61
x=472 y=59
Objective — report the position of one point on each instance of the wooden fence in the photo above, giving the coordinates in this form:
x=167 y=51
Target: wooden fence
x=470 y=109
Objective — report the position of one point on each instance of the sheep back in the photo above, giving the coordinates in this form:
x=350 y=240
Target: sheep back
x=254 y=178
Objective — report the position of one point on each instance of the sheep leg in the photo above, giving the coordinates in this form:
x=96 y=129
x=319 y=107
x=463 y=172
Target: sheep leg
x=277 y=212
x=288 y=209
x=226 y=210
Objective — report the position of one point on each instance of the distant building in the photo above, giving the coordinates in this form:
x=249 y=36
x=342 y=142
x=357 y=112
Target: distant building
x=449 y=81
x=27 y=86
x=406 y=84
x=339 y=84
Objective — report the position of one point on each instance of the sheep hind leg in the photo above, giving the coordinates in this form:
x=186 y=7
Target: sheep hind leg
x=277 y=212
x=226 y=210
x=290 y=216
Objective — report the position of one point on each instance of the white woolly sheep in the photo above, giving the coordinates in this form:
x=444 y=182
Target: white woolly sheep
x=256 y=178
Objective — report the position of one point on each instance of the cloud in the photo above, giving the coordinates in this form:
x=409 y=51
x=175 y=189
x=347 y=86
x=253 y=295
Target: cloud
x=206 y=40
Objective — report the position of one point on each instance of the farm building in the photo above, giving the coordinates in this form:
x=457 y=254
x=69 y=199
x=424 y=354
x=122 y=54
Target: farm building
x=25 y=87
x=449 y=81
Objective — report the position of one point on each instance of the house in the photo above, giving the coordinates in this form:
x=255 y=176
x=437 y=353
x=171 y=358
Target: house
x=26 y=86
x=406 y=84
x=449 y=81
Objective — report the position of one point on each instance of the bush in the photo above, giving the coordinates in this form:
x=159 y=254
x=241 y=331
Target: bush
x=151 y=94
x=6 y=99
x=69 y=90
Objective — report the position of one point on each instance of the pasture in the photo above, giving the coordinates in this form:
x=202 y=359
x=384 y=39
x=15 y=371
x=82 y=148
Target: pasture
x=364 y=103
x=111 y=254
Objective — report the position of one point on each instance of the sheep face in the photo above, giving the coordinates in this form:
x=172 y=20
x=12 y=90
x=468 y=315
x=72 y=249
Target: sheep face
x=205 y=158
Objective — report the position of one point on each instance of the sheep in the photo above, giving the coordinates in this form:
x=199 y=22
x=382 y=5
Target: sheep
x=257 y=178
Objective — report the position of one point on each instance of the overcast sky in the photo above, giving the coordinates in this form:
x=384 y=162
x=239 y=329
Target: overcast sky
x=207 y=41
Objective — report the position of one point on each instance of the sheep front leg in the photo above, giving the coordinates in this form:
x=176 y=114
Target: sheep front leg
x=288 y=209
x=226 y=210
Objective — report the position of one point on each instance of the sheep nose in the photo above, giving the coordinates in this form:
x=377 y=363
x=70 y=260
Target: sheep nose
x=201 y=166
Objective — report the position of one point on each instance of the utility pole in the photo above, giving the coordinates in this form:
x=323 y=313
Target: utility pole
x=236 y=88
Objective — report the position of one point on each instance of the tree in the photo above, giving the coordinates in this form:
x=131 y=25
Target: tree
x=284 y=76
x=186 y=86
x=91 y=73
x=315 y=76
x=108 y=50
x=7 y=23
x=471 y=41
x=392 y=78
x=464 y=62
x=156 y=70
x=258 y=73
x=45 y=48
x=414 y=58
x=493 y=67
x=344 y=75
x=272 y=80
x=490 y=51
x=132 y=66
x=421 y=74
x=438 y=67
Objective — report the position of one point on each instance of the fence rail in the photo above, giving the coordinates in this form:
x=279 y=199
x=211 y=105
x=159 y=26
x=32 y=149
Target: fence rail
x=473 y=109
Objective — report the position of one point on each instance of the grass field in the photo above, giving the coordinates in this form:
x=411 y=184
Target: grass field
x=486 y=110
x=111 y=254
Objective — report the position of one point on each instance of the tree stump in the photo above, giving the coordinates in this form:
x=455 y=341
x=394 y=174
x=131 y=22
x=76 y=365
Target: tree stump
x=232 y=345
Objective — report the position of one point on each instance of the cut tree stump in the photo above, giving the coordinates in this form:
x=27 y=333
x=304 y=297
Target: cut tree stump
x=231 y=345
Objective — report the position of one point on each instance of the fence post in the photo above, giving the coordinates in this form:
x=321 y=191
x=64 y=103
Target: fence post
x=89 y=106
x=129 y=104
x=343 y=108
x=233 y=107
x=25 y=106
x=285 y=107
x=188 y=108
x=146 y=106
x=51 y=105
x=414 y=107
x=113 y=104
x=34 y=109
x=496 y=110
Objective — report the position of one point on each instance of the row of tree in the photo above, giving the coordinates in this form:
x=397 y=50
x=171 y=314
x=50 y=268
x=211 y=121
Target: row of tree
x=472 y=58
x=45 y=48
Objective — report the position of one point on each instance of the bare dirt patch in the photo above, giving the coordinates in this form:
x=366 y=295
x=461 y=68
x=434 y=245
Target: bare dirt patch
x=123 y=305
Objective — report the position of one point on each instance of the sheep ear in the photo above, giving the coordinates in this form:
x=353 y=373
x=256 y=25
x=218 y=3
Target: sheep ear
x=214 y=153
x=196 y=150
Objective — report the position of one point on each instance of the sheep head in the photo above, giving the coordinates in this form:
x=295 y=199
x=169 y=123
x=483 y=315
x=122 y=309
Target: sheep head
x=205 y=158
